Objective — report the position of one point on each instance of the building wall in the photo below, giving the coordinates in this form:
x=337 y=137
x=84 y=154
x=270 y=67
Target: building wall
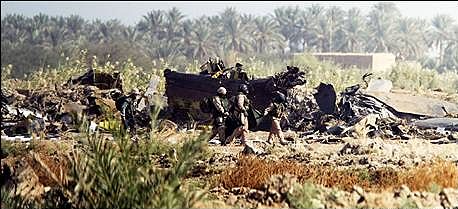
x=374 y=62
x=383 y=61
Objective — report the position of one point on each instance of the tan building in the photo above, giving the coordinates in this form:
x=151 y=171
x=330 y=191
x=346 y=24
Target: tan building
x=374 y=62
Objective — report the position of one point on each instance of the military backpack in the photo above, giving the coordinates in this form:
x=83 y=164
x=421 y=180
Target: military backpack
x=206 y=105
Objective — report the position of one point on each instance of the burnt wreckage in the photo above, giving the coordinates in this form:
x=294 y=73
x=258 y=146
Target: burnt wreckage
x=397 y=114
x=57 y=110
x=185 y=91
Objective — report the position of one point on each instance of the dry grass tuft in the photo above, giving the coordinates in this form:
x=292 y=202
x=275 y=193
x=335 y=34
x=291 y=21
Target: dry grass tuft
x=442 y=173
x=254 y=173
x=51 y=170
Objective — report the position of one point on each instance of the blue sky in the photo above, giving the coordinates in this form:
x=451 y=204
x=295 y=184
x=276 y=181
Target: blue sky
x=130 y=12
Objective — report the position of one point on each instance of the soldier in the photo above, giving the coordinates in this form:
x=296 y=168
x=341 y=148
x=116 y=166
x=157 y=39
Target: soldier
x=219 y=114
x=220 y=69
x=276 y=110
x=93 y=110
x=239 y=73
x=127 y=105
x=212 y=66
x=239 y=107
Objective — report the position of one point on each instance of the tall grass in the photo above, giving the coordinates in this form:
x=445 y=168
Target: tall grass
x=119 y=173
x=403 y=75
x=122 y=174
x=413 y=77
x=326 y=72
x=254 y=173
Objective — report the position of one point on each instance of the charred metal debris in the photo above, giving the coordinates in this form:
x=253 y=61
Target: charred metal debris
x=353 y=112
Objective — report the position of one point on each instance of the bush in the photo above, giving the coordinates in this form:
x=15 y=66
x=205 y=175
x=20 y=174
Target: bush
x=403 y=75
x=305 y=196
x=120 y=174
x=414 y=77
x=326 y=72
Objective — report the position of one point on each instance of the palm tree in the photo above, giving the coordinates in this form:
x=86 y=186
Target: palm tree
x=40 y=21
x=335 y=16
x=104 y=32
x=203 y=43
x=266 y=35
x=451 y=51
x=309 y=31
x=56 y=31
x=131 y=35
x=321 y=33
x=382 y=19
x=291 y=24
x=38 y=25
x=187 y=37
x=173 y=24
x=234 y=32
x=354 y=32
x=74 y=25
x=440 y=34
x=153 y=23
x=409 y=38
x=153 y=26
x=14 y=30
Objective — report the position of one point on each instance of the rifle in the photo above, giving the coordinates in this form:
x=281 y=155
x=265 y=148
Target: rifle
x=217 y=74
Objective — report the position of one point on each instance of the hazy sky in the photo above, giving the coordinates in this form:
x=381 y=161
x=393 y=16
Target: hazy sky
x=131 y=12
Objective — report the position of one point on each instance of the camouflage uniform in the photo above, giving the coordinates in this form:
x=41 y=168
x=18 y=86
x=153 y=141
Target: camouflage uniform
x=276 y=111
x=127 y=105
x=219 y=114
x=238 y=73
x=239 y=110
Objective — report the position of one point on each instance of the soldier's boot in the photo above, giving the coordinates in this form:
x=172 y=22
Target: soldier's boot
x=243 y=135
x=282 y=138
x=214 y=133
x=222 y=134
x=269 y=138
x=234 y=134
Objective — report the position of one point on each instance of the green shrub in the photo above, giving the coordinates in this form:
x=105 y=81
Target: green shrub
x=121 y=174
x=414 y=77
x=403 y=75
x=325 y=72
x=305 y=196
x=408 y=203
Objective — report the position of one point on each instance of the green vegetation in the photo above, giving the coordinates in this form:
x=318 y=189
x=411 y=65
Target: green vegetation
x=162 y=38
x=413 y=77
x=434 y=188
x=120 y=180
x=408 y=203
x=46 y=51
x=119 y=173
x=305 y=196
x=404 y=75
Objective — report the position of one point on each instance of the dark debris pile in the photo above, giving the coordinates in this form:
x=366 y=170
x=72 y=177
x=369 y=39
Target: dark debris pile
x=355 y=114
x=64 y=107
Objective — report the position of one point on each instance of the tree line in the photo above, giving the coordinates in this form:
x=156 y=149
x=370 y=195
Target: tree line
x=41 y=40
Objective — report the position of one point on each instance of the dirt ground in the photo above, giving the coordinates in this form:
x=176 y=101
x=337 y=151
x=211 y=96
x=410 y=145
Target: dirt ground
x=340 y=154
x=347 y=154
